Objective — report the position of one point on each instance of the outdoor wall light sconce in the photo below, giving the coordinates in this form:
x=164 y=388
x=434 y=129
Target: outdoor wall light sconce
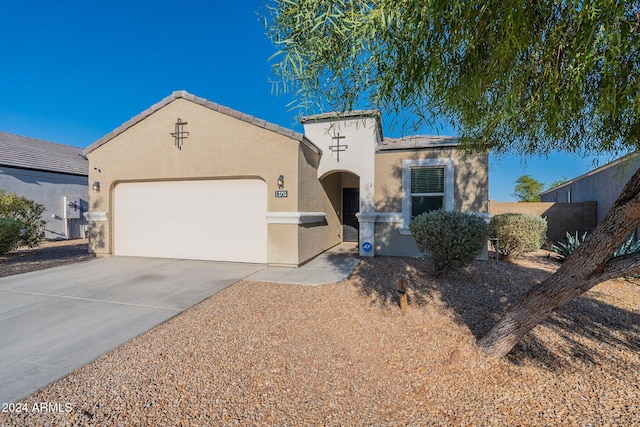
x=281 y=181
x=96 y=186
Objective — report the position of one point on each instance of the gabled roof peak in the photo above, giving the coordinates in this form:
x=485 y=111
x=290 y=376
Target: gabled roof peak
x=182 y=94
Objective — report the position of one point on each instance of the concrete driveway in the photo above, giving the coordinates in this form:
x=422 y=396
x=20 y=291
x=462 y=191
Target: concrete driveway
x=57 y=320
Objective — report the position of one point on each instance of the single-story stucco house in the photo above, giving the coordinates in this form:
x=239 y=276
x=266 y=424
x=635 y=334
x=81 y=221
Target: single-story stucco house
x=53 y=175
x=189 y=178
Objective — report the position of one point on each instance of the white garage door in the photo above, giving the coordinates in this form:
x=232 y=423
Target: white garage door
x=222 y=220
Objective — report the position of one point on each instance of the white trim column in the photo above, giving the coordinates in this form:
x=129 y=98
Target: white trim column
x=95 y=216
x=295 y=217
x=366 y=245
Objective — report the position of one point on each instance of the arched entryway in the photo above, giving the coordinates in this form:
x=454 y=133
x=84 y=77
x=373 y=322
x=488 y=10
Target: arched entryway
x=343 y=189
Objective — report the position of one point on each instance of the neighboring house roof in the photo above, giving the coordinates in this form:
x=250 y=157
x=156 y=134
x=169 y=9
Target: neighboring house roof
x=181 y=94
x=30 y=153
x=417 y=142
x=611 y=164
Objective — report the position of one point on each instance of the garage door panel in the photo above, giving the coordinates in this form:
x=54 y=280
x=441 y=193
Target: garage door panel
x=221 y=220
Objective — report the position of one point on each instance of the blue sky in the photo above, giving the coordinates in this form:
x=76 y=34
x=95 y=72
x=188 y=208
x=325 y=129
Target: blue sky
x=72 y=71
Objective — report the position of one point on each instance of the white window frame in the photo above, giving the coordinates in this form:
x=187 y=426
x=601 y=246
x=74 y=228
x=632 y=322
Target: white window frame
x=448 y=201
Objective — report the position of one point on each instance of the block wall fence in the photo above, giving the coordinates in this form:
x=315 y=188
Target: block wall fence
x=561 y=217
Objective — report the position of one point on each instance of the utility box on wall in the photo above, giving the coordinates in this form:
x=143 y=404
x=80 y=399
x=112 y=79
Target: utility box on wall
x=72 y=207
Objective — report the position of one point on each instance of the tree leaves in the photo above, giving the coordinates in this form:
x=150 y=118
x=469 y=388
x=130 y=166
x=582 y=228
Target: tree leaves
x=514 y=75
x=528 y=189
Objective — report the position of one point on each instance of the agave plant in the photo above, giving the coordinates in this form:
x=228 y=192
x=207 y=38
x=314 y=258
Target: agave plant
x=628 y=247
x=571 y=243
x=566 y=248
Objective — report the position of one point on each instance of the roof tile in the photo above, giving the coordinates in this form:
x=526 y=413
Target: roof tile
x=31 y=153
x=417 y=142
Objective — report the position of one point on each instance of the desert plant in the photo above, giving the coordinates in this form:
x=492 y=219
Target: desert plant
x=518 y=233
x=628 y=247
x=453 y=239
x=26 y=212
x=9 y=235
x=570 y=244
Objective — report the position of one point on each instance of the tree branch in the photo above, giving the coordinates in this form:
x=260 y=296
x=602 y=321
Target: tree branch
x=622 y=266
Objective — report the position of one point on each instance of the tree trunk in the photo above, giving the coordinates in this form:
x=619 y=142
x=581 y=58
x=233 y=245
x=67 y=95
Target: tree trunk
x=589 y=265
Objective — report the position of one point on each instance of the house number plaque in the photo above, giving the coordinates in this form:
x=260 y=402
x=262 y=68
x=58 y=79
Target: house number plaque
x=282 y=193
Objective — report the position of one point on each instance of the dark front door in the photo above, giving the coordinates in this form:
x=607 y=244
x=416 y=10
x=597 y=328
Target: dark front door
x=350 y=207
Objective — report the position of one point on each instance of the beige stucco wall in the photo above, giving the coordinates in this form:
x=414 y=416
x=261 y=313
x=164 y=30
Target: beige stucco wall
x=218 y=147
x=314 y=238
x=471 y=193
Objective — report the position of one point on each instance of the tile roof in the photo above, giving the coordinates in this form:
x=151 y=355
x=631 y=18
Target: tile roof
x=30 y=153
x=418 y=142
x=388 y=144
x=355 y=114
x=181 y=94
x=344 y=115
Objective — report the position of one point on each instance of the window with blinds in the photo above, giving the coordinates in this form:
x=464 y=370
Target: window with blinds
x=427 y=189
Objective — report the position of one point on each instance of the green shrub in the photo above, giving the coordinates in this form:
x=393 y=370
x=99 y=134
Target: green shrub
x=518 y=233
x=9 y=235
x=570 y=244
x=453 y=239
x=26 y=212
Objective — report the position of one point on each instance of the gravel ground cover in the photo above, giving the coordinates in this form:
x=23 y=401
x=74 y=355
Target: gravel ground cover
x=345 y=354
x=48 y=254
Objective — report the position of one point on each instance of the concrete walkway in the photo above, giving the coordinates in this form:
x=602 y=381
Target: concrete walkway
x=335 y=265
